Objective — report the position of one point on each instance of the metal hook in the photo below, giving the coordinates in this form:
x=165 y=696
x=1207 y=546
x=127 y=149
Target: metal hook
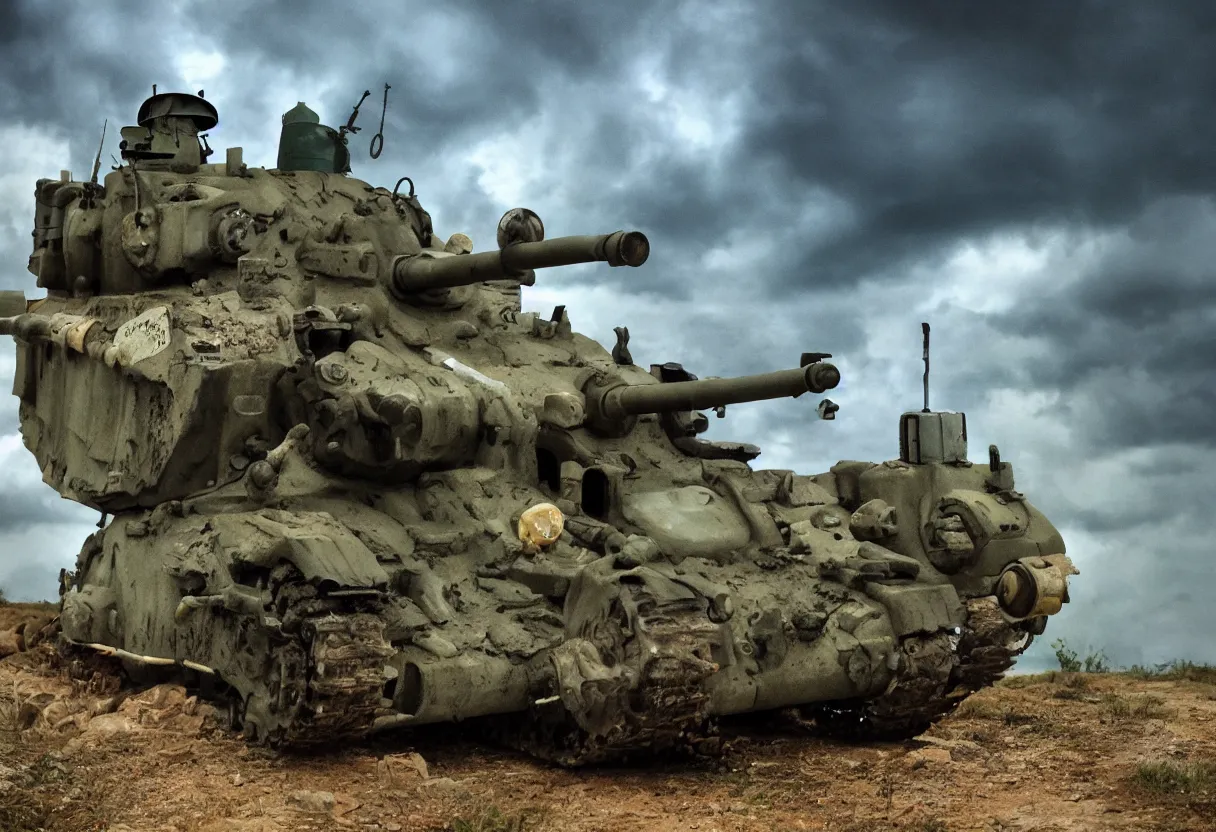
x=378 y=139
x=398 y=185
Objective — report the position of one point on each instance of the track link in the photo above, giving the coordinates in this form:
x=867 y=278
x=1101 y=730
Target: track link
x=936 y=674
x=664 y=713
x=345 y=680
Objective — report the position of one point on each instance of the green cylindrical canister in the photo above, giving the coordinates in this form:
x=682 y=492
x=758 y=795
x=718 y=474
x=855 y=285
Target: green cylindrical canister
x=306 y=144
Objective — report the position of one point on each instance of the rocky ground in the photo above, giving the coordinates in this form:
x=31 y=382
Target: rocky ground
x=1052 y=752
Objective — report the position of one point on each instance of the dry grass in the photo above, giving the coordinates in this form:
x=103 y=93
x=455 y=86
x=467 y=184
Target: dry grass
x=1134 y=708
x=980 y=708
x=1177 y=671
x=493 y=819
x=25 y=806
x=10 y=711
x=930 y=825
x=1169 y=777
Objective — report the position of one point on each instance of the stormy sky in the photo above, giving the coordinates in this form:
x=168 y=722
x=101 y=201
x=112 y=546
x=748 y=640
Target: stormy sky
x=1034 y=179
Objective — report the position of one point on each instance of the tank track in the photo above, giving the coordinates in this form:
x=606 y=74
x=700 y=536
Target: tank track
x=675 y=724
x=326 y=668
x=330 y=679
x=330 y=687
x=936 y=674
x=665 y=714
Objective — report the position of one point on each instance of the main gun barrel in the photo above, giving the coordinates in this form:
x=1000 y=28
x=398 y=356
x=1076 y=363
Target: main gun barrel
x=12 y=304
x=421 y=273
x=632 y=400
x=27 y=327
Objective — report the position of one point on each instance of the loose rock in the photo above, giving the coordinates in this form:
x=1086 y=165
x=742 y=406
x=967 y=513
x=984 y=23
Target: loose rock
x=315 y=802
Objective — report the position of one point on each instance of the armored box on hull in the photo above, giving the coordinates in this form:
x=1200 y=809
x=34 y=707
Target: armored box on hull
x=355 y=487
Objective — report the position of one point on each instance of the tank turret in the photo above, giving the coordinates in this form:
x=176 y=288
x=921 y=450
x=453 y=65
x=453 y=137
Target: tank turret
x=346 y=479
x=170 y=132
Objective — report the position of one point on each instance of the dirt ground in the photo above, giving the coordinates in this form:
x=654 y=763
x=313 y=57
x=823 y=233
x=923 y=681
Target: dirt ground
x=1053 y=752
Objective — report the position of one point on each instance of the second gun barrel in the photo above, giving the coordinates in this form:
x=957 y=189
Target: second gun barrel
x=632 y=400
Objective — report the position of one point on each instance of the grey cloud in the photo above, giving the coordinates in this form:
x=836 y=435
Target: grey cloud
x=30 y=559
x=36 y=505
x=1135 y=336
x=32 y=582
x=69 y=66
x=935 y=119
x=452 y=71
x=8 y=404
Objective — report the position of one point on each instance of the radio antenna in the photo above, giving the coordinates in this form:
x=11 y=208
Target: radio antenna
x=100 y=145
x=924 y=328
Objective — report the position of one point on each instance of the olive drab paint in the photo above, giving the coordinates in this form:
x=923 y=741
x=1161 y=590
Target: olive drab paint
x=357 y=488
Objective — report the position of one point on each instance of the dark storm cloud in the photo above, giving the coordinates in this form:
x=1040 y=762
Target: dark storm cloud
x=944 y=118
x=1138 y=330
x=34 y=506
x=68 y=65
x=490 y=61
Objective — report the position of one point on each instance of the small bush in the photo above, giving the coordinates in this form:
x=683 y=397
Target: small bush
x=979 y=709
x=1012 y=718
x=1069 y=693
x=1138 y=707
x=1070 y=662
x=493 y=820
x=1075 y=681
x=1176 y=671
x=1169 y=777
x=1028 y=680
x=1073 y=686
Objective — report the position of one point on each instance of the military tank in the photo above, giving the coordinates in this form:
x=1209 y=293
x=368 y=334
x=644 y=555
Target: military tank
x=348 y=485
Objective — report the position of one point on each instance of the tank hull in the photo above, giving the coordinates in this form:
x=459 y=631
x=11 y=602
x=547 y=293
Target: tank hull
x=329 y=616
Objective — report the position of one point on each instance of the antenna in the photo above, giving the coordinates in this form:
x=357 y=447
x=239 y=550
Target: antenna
x=350 y=127
x=97 y=159
x=924 y=328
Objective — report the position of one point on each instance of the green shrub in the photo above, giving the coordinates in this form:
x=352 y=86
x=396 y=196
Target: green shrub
x=1169 y=777
x=1176 y=671
x=1070 y=662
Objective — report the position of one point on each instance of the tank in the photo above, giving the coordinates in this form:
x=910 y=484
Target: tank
x=347 y=485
